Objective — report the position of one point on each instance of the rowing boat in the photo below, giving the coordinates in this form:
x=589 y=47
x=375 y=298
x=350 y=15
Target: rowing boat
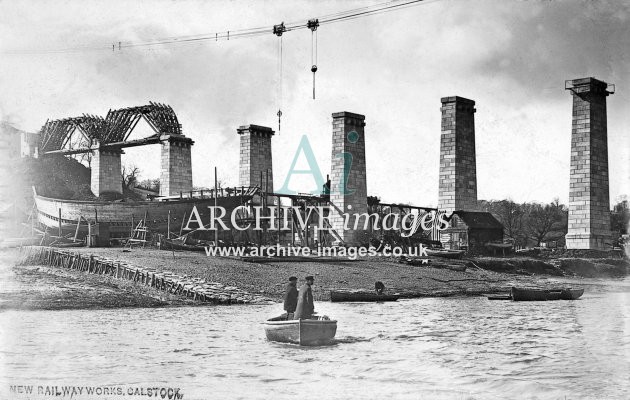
x=305 y=332
x=359 y=295
x=526 y=294
x=571 y=294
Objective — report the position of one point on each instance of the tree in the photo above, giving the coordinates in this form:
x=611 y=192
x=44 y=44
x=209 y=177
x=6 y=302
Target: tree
x=510 y=214
x=150 y=184
x=620 y=219
x=545 y=222
x=156 y=185
x=130 y=174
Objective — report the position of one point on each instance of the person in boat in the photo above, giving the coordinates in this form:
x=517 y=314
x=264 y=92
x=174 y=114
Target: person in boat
x=379 y=287
x=305 y=307
x=291 y=297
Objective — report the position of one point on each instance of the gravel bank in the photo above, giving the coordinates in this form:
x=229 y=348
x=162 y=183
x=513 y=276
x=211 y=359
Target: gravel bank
x=269 y=279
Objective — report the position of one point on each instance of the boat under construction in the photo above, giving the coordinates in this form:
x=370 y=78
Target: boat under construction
x=121 y=217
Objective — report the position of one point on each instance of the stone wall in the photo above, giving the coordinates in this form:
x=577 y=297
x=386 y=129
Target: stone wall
x=458 y=167
x=176 y=170
x=348 y=182
x=106 y=172
x=589 y=203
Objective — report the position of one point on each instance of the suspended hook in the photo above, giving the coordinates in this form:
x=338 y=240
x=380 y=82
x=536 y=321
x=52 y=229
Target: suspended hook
x=312 y=25
x=279 y=115
x=278 y=30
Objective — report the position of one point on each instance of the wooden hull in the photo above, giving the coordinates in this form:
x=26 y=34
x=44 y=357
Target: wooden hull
x=305 y=332
x=519 y=294
x=499 y=297
x=528 y=294
x=119 y=214
x=178 y=244
x=571 y=294
x=349 y=296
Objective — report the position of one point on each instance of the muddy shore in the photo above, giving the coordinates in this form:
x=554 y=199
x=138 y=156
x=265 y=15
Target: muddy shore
x=37 y=287
x=49 y=288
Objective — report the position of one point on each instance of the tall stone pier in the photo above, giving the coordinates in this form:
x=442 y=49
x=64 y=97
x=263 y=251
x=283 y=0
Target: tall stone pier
x=106 y=172
x=589 y=203
x=176 y=164
x=458 y=165
x=255 y=164
x=348 y=183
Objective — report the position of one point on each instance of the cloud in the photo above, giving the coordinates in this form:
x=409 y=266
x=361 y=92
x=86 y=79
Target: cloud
x=510 y=57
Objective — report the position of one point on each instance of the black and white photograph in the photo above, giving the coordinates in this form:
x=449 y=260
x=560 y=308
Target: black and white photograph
x=320 y=199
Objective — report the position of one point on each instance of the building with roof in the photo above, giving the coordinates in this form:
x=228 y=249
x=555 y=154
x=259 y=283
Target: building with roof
x=471 y=231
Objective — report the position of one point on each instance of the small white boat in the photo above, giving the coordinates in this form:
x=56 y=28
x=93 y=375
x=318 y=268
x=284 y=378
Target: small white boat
x=305 y=332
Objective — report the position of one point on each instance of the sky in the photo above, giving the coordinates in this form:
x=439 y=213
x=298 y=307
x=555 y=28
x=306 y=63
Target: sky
x=511 y=57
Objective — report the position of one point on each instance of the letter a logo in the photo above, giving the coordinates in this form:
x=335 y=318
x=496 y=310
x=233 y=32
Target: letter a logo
x=314 y=171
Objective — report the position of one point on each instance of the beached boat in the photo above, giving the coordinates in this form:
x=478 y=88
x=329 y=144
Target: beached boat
x=527 y=294
x=520 y=294
x=305 y=332
x=499 y=297
x=445 y=253
x=571 y=294
x=186 y=243
x=360 y=295
x=118 y=215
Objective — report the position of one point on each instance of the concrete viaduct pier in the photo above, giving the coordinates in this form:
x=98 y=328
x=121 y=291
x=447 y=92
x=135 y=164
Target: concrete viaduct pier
x=589 y=203
x=255 y=157
x=458 y=165
x=348 y=180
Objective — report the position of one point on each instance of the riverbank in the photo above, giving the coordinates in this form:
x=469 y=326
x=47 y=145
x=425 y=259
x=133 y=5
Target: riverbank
x=60 y=288
x=33 y=287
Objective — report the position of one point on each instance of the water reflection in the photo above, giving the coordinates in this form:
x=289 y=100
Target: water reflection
x=467 y=348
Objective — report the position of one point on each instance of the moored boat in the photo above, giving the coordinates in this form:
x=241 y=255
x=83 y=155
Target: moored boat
x=571 y=294
x=305 y=332
x=521 y=294
x=527 y=294
x=360 y=295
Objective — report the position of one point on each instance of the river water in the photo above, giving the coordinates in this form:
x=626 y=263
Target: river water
x=454 y=348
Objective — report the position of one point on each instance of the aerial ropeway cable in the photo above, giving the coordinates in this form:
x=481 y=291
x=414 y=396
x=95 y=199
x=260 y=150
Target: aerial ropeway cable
x=375 y=9
x=278 y=30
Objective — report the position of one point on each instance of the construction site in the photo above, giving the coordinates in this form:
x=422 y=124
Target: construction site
x=112 y=213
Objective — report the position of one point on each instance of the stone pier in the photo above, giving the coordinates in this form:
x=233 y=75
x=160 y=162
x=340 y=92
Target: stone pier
x=255 y=164
x=106 y=172
x=589 y=203
x=176 y=170
x=348 y=183
x=458 y=166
